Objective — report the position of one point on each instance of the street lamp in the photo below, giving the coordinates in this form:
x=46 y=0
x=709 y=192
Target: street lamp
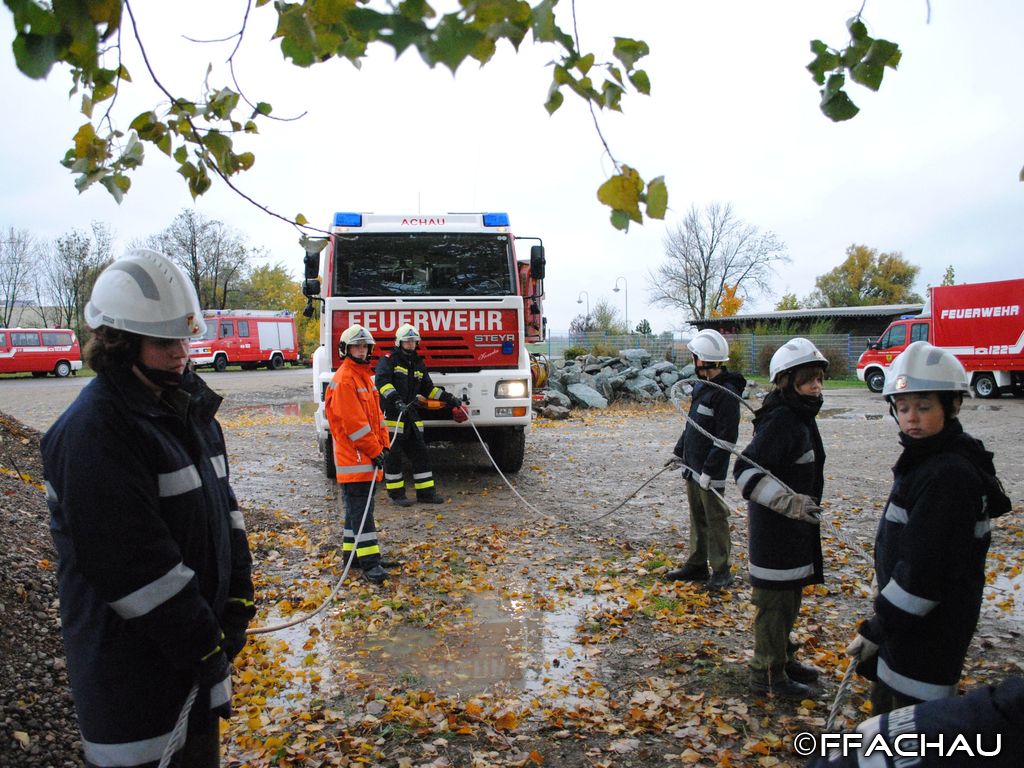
x=580 y=301
x=625 y=288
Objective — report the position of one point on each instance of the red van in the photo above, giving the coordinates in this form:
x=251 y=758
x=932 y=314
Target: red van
x=39 y=351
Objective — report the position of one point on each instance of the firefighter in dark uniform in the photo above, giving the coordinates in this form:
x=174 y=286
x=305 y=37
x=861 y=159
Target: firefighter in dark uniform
x=153 y=562
x=784 y=549
x=990 y=719
x=705 y=464
x=401 y=378
x=932 y=539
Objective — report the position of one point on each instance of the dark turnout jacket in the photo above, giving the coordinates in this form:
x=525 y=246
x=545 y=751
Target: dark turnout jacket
x=783 y=553
x=400 y=377
x=153 y=559
x=930 y=561
x=718 y=413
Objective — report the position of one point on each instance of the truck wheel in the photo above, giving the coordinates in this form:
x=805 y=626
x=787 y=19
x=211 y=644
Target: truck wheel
x=985 y=385
x=62 y=370
x=276 y=363
x=508 y=447
x=329 y=470
x=875 y=379
x=220 y=363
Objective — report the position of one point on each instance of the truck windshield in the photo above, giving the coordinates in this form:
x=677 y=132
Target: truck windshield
x=423 y=264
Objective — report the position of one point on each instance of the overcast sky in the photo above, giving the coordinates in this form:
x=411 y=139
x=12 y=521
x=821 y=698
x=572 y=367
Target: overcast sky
x=928 y=168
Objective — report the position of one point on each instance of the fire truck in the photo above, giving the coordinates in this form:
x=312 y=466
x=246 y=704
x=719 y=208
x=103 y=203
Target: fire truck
x=246 y=337
x=456 y=278
x=981 y=323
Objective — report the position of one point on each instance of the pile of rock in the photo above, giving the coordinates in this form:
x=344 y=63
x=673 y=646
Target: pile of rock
x=592 y=381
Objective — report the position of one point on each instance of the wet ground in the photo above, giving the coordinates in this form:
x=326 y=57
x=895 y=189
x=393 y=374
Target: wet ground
x=511 y=635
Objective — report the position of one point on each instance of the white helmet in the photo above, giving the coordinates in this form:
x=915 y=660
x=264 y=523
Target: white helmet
x=709 y=345
x=407 y=332
x=146 y=293
x=924 y=368
x=355 y=334
x=793 y=354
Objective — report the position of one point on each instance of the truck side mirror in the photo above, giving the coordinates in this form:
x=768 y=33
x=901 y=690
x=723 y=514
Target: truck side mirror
x=537 y=262
x=311 y=287
x=312 y=265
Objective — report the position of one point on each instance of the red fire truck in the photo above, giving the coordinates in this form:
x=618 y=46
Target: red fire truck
x=456 y=278
x=39 y=351
x=246 y=337
x=981 y=323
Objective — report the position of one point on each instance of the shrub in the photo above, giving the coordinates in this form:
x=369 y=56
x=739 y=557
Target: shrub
x=764 y=358
x=571 y=353
x=604 y=350
x=838 y=364
x=737 y=360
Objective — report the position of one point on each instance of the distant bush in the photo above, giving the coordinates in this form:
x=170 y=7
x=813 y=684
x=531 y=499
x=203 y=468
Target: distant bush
x=571 y=353
x=737 y=360
x=838 y=364
x=764 y=358
x=604 y=350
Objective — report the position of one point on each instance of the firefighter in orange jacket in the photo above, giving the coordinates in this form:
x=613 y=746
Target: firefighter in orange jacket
x=361 y=441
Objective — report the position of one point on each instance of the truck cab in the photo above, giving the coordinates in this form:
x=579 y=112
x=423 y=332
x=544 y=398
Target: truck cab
x=877 y=358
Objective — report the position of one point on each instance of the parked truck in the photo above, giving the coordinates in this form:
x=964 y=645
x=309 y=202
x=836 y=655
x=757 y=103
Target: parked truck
x=246 y=337
x=981 y=323
x=455 y=277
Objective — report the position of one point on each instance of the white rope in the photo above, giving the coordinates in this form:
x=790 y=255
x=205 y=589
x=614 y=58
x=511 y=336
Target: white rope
x=177 y=740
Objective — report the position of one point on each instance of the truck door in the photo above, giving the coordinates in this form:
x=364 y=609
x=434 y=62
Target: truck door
x=247 y=350
x=893 y=341
x=228 y=340
x=918 y=332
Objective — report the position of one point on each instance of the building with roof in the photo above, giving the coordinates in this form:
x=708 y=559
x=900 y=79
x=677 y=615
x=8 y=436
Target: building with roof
x=867 y=321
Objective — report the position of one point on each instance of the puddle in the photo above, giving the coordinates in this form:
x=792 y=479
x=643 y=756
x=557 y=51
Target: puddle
x=504 y=645
x=301 y=409
x=835 y=413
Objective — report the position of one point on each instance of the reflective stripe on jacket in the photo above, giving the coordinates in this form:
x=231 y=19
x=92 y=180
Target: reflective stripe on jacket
x=400 y=377
x=352 y=407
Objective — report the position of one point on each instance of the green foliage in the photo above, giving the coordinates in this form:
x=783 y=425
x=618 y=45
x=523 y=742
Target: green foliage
x=838 y=363
x=864 y=59
x=949 y=278
x=644 y=327
x=787 y=302
x=737 y=358
x=200 y=134
x=764 y=357
x=571 y=353
x=867 y=277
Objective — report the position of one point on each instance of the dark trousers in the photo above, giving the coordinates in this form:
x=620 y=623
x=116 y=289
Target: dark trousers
x=354 y=496
x=885 y=699
x=201 y=749
x=411 y=444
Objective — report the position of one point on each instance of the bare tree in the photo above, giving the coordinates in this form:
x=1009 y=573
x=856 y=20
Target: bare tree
x=708 y=252
x=17 y=251
x=68 y=273
x=213 y=255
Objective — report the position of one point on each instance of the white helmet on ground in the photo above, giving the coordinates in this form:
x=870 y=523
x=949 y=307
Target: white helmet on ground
x=146 y=293
x=793 y=354
x=922 y=367
x=355 y=334
x=407 y=332
x=709 y=345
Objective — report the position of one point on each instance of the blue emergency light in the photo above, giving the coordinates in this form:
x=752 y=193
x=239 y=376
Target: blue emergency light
x=348 y=219
x=495 y=219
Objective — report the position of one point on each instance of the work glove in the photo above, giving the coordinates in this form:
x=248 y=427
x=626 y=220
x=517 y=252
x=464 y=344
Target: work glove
x=704 y=481
x=380 y=458
x=233 y=641
x=674 y=461
x=460 y=414
x=861 y=648
x=797 y=506
x=213 y=669
x=450 y=400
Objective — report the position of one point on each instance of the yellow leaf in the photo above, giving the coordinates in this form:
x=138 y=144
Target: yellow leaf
x=506 y=722
x=22 y=738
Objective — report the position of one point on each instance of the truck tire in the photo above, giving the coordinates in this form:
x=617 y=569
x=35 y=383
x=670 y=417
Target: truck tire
x=985 y=385
x=62 y=369
x=875 y=379
x=276 y=363
x=508 y=447
x=220 y=363
x=329 y=470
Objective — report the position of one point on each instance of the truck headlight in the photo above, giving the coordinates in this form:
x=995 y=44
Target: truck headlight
x=512 y=388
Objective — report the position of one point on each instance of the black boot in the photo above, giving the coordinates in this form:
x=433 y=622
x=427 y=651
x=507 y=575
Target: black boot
x=375 y=575
x=401 y=501
x=721 y=579
x=430 y=500
x=689 y=572
x=802 y=673
x=777 y=683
